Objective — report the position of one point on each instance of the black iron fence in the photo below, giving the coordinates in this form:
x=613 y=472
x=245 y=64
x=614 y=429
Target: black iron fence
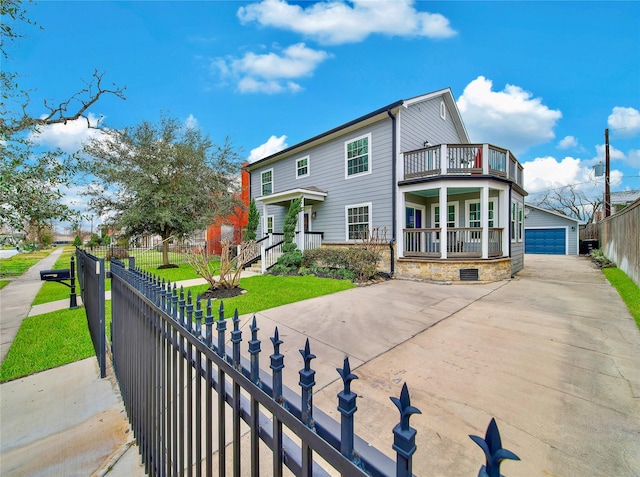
x=91 y=277
x=181 y=385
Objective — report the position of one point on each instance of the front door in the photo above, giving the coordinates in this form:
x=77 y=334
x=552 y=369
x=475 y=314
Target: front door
x=413 y=220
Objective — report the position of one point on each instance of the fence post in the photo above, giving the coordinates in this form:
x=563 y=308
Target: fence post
x=254 y=351
x=347 y=407
x=73 y=303
x=493 y=451
x=307 y=380
x=277 y=363
x=236 y=339
x=404 y=436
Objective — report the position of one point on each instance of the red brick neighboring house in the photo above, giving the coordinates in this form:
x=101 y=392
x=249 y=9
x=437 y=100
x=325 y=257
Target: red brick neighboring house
x=232 y=226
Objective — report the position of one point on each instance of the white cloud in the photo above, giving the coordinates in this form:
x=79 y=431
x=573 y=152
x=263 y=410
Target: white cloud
x=70 y=136
x=624 y=122
x=191 y=122
x=568 y=142
x=271 y=72
x=337 y=22
x=274 y=144
x=510 y=118
x=546 y=173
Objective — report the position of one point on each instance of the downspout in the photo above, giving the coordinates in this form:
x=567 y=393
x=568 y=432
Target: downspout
x=510 y=221
x=393 y=190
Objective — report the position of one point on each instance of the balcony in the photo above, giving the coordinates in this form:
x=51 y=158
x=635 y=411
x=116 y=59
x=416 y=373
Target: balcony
x=461 y=243
x=462 y=160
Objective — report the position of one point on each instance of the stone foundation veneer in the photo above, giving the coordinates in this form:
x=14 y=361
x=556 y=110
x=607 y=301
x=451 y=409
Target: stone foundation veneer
x=490 y=270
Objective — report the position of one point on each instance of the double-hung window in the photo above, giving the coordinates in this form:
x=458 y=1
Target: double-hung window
x=474 y=216
x=266 y=180
x=302 y=167
x=269 y=224
x=358 y=220
x=358 y=156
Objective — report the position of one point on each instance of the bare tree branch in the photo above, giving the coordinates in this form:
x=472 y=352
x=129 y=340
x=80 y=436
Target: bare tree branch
x=70 y=110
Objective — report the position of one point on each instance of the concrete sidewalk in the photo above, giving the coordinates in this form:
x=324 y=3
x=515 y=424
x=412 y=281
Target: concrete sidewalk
x=16 y=299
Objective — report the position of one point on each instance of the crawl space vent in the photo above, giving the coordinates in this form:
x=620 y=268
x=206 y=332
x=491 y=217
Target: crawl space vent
x=469 y=274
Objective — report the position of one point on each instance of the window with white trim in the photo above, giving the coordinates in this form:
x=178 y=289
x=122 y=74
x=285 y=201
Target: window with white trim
x=443 y=110
x=452 y=215
x=520 y=220
x=268 y=227
x=358 y=221
x=266 y=180
x=514 y=215
x=358 y=156
x=302 y=167
x=474 y=213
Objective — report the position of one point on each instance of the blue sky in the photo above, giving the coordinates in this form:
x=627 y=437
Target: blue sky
x=543 y=79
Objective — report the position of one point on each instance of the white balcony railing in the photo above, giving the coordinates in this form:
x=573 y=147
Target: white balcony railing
x=461 y=242
x=462 y=159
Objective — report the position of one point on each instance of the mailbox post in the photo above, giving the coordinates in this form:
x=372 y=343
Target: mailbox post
x=58 y=275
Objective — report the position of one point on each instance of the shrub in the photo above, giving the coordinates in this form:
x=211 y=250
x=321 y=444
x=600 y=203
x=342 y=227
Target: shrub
x=353 y=263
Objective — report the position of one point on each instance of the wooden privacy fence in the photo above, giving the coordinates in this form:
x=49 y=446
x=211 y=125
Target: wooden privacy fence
x=183 y=386
x=619 y=237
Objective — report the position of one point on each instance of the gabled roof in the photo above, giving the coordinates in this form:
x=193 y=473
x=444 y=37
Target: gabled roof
x=552 y=212
x=369 y=118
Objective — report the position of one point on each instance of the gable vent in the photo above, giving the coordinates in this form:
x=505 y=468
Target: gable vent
x=469 y=274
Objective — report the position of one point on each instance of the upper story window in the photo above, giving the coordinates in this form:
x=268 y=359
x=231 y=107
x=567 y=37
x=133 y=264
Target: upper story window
x=266 y=180
x=302 y=167
x=443 y=110
x=358 y=156
x=358 y=219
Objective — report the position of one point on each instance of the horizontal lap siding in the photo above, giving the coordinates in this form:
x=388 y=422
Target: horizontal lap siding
x=421 y=122
x=327 y=172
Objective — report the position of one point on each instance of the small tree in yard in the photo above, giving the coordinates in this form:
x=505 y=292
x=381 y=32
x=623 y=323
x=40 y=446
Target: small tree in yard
x=252 y=221
x=230 y=268
x=291 y=257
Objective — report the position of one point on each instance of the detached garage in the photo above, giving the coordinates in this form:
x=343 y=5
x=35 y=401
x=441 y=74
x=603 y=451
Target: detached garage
x=548 y=232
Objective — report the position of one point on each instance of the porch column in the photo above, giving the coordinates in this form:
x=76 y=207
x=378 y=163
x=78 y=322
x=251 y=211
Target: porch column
x=505 y=220
x=443 y=222
x=484 y=219
x=300 y=234
x=485 y=159
x=263 y=221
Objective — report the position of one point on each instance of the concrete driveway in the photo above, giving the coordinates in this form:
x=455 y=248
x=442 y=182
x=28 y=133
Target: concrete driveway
x=553 y=355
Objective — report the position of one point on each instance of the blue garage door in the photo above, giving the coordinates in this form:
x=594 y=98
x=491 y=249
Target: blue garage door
x=549 y=241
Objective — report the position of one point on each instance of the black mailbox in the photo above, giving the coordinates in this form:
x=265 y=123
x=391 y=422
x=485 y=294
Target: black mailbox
x=55 y=275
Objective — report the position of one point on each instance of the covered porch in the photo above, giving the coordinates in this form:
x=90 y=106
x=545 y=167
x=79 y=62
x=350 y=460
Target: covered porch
x=451 y=225
x=270 y=244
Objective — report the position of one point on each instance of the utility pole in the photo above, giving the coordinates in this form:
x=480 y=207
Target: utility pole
x=607 y=192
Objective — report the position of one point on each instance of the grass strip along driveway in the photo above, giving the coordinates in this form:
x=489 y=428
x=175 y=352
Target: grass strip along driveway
x=61 y=337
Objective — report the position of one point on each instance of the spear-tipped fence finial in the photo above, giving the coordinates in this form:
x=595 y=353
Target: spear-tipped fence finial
x=347 y=407
x=307 y=381
x=491 y=445
x=404 y=436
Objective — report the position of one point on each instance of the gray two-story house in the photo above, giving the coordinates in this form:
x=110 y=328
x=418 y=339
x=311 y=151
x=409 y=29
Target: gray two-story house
x=451 y=210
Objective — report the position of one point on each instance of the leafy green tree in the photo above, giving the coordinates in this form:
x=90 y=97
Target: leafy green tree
x=252 y=221
x=165 y=179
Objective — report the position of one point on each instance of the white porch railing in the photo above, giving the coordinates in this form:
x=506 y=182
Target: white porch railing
x=461 y=242
x=271 y=249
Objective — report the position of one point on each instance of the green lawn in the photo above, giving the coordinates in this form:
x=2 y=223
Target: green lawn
x=62 y=337
x=627 y=289
x=47 y=341
x=4 y=283
x=18 y=264
x=268 y=291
